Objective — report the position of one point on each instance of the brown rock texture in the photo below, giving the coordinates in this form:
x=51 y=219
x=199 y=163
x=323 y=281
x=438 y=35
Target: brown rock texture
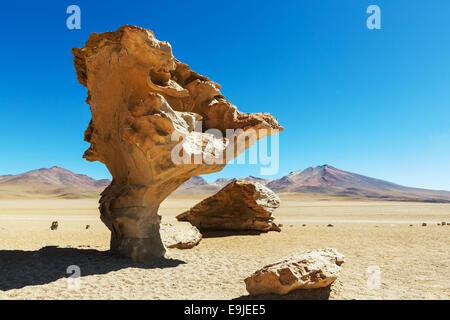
x=305 y=270
x=145 y=107
x=180 y=236
x=240 y=205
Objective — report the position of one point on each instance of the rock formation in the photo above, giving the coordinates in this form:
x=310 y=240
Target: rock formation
x=240 y=205
x=305 y=270
x=146 y=107
x=181 y=236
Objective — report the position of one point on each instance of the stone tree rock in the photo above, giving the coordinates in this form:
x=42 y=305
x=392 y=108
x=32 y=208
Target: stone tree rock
x=305 y=270
x=240 y=205
x=146 y=108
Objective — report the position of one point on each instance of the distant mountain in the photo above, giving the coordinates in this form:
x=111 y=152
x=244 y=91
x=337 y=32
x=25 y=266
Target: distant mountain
x=281 y=184
x=199 y=186
x=50 y=182
x=222 y=182
x=327 y=180
x=193 y=182
x=328 y=177
x=256 y=179
x=322 y=181
x=55 y=176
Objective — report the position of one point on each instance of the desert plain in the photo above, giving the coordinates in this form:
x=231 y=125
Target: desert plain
x=414 y=261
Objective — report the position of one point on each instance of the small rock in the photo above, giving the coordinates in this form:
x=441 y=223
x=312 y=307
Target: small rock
x=291 y=226
x=88 y=226
x=303 y=225
x=330 y=225
x=424 y=224
x=305 y=270
x=280 y=225
x=54 y=225
x=438 y=224
x=443 y=223
x=180 y=236
x=410 y=225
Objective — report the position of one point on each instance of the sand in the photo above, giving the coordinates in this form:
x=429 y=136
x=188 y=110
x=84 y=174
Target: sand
x=414 y=261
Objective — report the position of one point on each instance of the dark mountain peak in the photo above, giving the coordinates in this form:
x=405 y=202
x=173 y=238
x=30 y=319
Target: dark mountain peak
x=327 y=167
x=54 y=168
x=324 y=167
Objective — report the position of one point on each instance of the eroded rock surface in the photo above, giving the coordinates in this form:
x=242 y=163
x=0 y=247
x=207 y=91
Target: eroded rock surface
x=305 y=270
x=145 y=107
x=180 y=236
x=240 y=205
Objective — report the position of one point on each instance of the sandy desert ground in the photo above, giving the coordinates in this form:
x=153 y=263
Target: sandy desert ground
x=414 y=260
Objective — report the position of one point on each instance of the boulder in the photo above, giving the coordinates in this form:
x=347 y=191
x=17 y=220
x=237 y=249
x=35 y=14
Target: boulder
x=180 y=236
x=240 y=205
x=155 y=124
x=305 y=270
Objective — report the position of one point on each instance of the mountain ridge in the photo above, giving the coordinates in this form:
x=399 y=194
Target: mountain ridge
x=54 y=182
x=323 y=181
x=55 y=176
x=330 y=181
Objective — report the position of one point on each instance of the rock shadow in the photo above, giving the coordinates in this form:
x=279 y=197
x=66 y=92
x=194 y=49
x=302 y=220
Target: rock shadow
x=20 y=268
x=301 y=294
x=227 y=233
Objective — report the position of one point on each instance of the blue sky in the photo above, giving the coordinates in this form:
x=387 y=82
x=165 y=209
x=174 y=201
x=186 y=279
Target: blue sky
x=375 y=102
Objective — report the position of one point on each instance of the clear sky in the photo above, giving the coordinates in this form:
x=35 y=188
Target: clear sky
x=375 y=102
